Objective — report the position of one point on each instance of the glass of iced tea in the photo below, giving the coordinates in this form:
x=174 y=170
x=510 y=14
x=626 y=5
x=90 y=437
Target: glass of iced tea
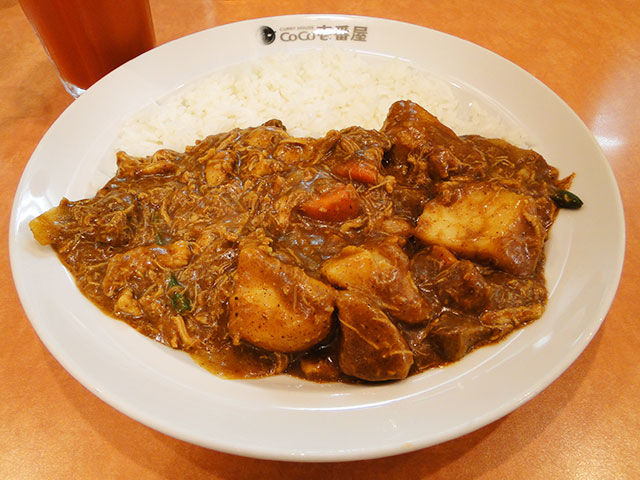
x=86 y=39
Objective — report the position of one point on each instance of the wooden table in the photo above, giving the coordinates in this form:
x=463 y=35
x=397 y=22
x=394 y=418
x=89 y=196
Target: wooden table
x=586 y=425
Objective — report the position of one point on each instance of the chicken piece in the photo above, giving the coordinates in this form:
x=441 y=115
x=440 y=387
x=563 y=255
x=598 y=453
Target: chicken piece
x=485 y=222
x=181 y=329
x=371 y=346
x=302 y=150
x=359 y=143
x=293 y=151
x=127 y=304
x=265 y=137
x=276 y=306
x=158 y=322
x=162 y=162
x=219 y=166
x=380 y=270
x=143 y=264
x=249 y=151
x=255 y=163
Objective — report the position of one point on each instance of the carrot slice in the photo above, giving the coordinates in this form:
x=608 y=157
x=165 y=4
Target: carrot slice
x=336 y=205
x=358 y=171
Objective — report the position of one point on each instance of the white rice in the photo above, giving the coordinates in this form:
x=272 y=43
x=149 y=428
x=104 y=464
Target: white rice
x=311 y=93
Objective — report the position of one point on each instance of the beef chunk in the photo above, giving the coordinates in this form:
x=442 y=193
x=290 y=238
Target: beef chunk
x=371 y=347
x=462 y=286
x=453 y=336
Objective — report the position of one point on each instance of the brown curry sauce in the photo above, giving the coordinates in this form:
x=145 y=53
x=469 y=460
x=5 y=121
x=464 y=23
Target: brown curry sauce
x=363 y=255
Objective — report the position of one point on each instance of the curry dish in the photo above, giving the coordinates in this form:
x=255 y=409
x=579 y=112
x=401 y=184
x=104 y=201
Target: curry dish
x=363 y=255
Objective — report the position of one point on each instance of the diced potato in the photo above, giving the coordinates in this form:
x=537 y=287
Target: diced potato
x=276 y=306
x=485 y=222
x=380 y=271
x=44 y=226
x=371 y=346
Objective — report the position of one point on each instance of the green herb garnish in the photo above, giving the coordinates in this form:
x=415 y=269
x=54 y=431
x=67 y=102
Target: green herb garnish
x=180 y=302
x=173 y=281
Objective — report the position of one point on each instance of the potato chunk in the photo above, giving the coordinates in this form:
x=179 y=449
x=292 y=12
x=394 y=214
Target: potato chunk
x=380 y=270
x=276 y=306
x=371 y=347
x=485 y=222
x=45 y=227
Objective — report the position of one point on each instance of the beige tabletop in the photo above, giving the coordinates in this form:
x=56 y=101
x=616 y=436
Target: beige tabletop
x=585 y=425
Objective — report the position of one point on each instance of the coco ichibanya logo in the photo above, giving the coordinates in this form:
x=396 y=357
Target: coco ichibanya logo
x=323 y=33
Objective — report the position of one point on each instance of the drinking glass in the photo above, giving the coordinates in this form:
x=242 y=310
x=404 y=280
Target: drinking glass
x=86 y=39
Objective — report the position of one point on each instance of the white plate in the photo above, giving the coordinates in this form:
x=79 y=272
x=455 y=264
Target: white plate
x=282 y=417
